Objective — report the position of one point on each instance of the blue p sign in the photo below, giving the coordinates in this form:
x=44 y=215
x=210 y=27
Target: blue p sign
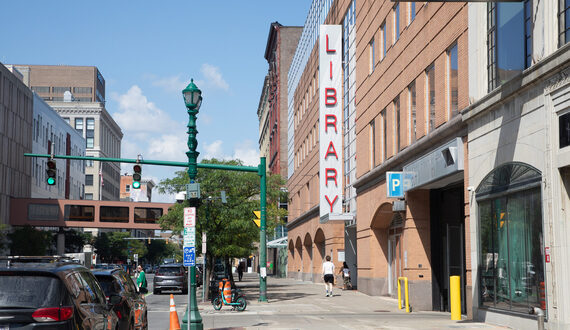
x=395 y=186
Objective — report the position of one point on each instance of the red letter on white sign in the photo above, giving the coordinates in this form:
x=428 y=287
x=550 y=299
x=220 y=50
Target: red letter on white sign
x=331 y=150
x=330 y=96
x=330 y=175
x=328 y=49
x=330 y=120
x=333 y=201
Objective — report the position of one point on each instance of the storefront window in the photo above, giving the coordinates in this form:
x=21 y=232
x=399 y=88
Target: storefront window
x=511 y=269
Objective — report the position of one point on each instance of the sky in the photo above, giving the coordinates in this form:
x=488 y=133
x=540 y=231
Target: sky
x=148 y=51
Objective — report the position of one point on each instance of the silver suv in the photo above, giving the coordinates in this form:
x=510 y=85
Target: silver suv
x=170 y=277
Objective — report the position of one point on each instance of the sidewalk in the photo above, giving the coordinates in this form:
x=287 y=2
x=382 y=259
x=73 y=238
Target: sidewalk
x=294 y=304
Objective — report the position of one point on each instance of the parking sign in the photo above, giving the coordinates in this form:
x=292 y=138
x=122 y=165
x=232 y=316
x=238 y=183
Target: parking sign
x=395 y=184
x=189 y=256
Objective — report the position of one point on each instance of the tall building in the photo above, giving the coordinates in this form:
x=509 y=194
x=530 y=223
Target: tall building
x=461 y=129
x=263 y=117
x=279 y=51
x=518 y=135
x=16 y=120
x=77 y=94
x=53 y=134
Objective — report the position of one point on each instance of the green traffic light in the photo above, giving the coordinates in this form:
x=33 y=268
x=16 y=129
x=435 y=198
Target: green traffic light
x=51 y=181
x=136 y=184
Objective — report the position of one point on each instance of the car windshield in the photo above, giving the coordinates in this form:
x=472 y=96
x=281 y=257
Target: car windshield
x=35 y=291
x=169 y=270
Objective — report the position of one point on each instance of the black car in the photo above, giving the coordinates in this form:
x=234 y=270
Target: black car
x=131 y=309
x=52 y=294
x=170 y=277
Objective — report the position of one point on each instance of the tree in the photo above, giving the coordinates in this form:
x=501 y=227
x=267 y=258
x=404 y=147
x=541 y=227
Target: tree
x=158 y=250
x=74 y=240
x=28 y=241
x=114 y=246
x=229 y=227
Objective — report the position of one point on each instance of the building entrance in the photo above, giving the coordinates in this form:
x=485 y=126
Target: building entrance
x=447 y=244
x=395 y=254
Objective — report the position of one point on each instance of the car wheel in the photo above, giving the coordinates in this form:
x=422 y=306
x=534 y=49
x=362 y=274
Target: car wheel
x=217 y=302
x=242 y=304
x=185 y=291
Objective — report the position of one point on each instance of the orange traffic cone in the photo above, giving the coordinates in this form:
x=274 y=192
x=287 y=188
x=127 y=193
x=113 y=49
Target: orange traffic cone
x=174 y=324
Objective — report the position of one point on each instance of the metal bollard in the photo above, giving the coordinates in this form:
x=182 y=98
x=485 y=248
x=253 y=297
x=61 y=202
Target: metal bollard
x=539 y=316
x=455 y=297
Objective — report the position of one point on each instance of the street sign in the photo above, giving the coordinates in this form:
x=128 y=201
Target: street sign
x=189 y=217
x=190 y=236
x=257 y=219
x=189 y=256
x=395 y=187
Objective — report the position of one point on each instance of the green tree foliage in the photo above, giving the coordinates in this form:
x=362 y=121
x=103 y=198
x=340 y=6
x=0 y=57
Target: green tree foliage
x=74 y=240
x=158 y=250
x=113 y=246
x=230 y=229
x=28 y=241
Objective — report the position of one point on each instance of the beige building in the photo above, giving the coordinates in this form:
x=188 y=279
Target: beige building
x=16 y=122
x=77 y=93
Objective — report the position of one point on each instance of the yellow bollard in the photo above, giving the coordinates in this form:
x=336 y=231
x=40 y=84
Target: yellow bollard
x=405 y=279
x=455 y=297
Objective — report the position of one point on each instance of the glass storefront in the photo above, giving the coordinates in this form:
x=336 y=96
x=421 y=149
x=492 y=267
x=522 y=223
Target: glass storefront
x=511 y=263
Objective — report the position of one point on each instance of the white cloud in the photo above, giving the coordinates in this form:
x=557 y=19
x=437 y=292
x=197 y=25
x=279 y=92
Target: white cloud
x=244 y=152
x=137 y=114
x=173 y=84
x=168 y=147
x=214 y=77
x=214 y=150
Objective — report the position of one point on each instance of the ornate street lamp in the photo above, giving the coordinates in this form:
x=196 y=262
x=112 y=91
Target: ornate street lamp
x=193 y=100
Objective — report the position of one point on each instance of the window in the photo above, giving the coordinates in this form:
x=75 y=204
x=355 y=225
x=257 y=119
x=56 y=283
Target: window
x=510 y=220
x=83 y=90
x=90 y=142
x=148 y=215
x=40 y=89
x=397 y=122
x=430 y=96
x=371 y=54
x=66 y=119
x=564 y=130
x=396 y=23
x=61 y=90
x=452 y=89
x=384 y=135
x=89 y=179
x=90 y=123
x=79 y=125
x=372 y=128
x=563 y=22
x=412 y=111
x=128 y=188
x=79 y=212
x=114 y=214
x=384 y=46
x=509 y=41
x=89 y=197
x=412 y=12
x=89 y=162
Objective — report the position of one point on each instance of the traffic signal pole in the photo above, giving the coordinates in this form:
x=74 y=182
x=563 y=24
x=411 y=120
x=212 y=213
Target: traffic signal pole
x=260 y=170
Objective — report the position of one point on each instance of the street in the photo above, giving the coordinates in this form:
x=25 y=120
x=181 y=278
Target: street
x=294 y=304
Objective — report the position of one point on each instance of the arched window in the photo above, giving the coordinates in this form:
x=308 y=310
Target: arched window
x=511 y=269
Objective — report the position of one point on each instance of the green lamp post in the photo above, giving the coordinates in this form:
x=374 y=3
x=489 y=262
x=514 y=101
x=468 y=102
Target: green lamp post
x=193 y=100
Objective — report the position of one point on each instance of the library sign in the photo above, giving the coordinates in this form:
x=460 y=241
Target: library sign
x=330 y=120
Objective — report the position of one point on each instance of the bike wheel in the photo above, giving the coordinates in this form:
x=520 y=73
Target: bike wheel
x=242 y=304
x=217 y=302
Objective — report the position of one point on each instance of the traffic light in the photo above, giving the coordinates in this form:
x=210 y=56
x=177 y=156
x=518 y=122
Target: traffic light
x=51 y=172
x=137 y=176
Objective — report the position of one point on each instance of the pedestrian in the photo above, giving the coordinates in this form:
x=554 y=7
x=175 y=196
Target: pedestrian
x=328 y=276
x=141 y=280
x=345 y=271
x=240 y=271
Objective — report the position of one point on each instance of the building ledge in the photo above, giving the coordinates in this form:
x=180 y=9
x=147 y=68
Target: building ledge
x=311 y=213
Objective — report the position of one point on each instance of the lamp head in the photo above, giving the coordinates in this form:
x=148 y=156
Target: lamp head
x=192 y=96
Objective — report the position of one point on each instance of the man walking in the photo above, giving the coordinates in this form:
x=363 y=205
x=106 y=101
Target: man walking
x=328 y=276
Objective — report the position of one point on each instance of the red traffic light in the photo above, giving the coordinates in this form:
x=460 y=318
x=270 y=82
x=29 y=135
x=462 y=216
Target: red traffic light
x=137 y=168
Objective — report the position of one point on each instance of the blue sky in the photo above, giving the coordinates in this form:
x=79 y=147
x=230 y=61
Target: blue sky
x=147 y=52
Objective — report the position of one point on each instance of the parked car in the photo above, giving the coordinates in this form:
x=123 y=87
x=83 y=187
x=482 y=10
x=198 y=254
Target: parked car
x=131 y=309
x=48 y=293
x=170 y=277
x=199 y=275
